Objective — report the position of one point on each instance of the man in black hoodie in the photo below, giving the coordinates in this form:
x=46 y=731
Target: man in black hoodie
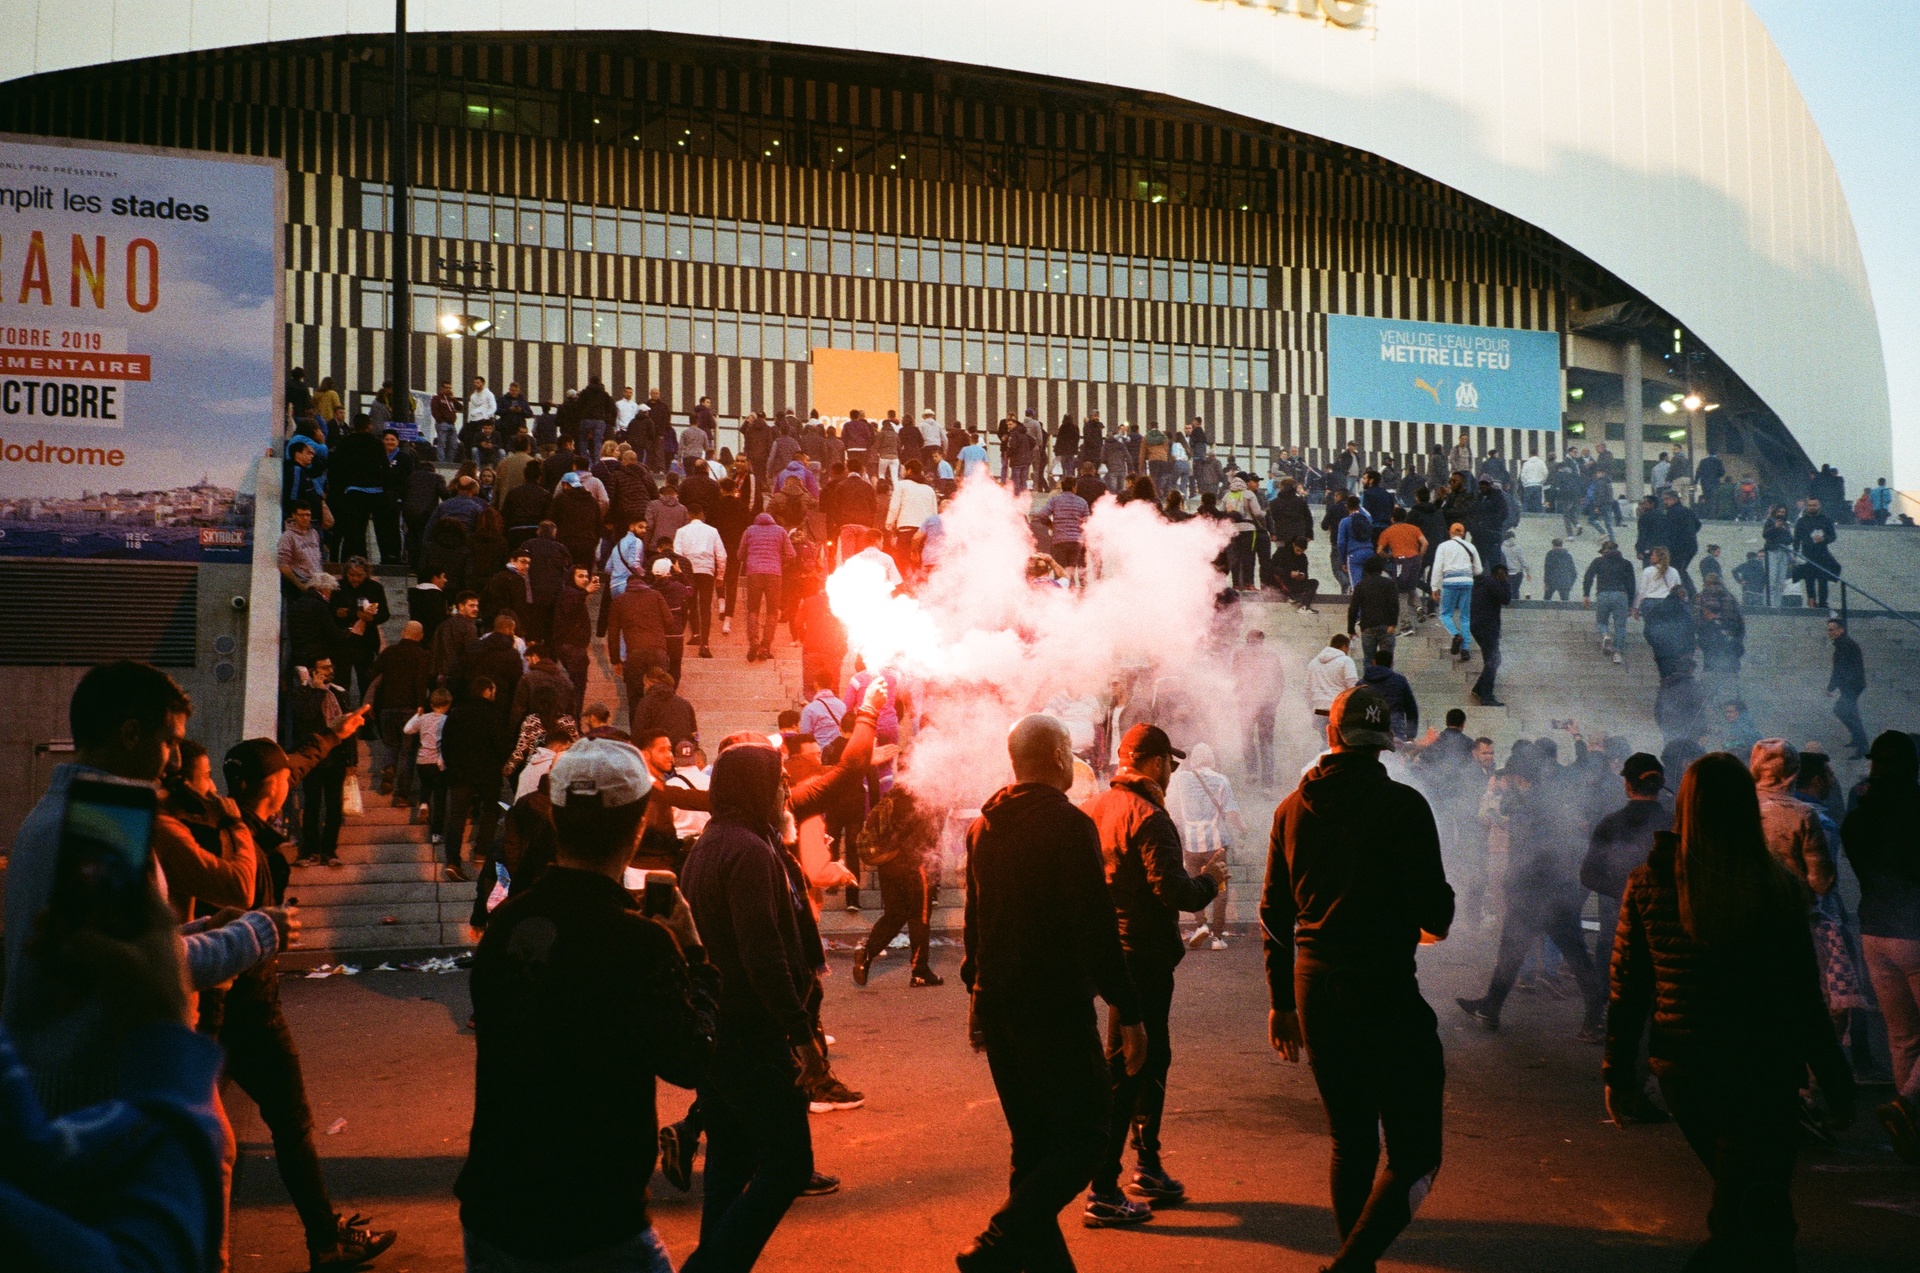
x=1041 y=940
x=1147 y=877
x=1343 y=911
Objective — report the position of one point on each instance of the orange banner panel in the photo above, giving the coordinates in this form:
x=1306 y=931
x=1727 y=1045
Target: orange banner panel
x=848 y=379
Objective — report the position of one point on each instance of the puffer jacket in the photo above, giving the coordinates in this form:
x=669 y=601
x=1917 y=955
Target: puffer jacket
x=1146 y=870
x=1752 y=1008
x=1793 y=829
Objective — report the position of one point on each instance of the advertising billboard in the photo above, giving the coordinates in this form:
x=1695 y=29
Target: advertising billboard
x=140 y=326
x=1442 y=373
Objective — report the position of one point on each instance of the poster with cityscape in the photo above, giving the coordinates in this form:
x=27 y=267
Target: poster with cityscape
x=139 y=329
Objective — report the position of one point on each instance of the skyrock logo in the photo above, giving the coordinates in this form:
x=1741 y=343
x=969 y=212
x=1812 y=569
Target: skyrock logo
x=1466 y=397
x=1350 y=15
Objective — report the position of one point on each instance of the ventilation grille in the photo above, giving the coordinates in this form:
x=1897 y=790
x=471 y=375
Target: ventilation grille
x=79 y=613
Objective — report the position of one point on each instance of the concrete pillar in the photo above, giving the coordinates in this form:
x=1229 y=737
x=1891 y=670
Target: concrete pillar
x=1636 y=444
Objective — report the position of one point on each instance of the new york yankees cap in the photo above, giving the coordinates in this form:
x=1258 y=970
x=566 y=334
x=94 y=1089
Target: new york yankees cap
x=1360 y=718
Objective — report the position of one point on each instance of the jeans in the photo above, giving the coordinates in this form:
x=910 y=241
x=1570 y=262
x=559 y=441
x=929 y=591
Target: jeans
x=1489 y=666
x=1530 y=498
x=644 y=1252
x=320 y=813
x=1140 y=1099
x=576 y=661
x=1374 y=640
x=1846 y=707
x=397 y=748
x=700 y=617
x=759 y=1158
x=903 y=894
x=1893 y=965
x=1778 y=563
x=1374 y=1050
x=1610 y=608
x=1240 y=559
x=483 y=804
x=1745 y=1131
x=1054 y=1092
x=763 y=610
x=593 y=433
x=1259 y=755
x=431 y=781
x=1456 y=607
x=1534 y=911
x=1601 y=519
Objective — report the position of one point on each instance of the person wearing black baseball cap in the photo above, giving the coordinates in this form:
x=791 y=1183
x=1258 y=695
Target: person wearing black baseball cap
x=1147 y=878
x=1344 y=909
x=1621 y=841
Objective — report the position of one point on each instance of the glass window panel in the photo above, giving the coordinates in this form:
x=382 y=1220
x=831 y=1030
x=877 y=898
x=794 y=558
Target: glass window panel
x=863 y=256
x=1097 y=364
x=1182 y=366
x=679 y=239
x=839 y=335
x=1057 y=358
x=974 y=270
x=373 y=210
x=1097 y=275
x=1077 y=282
x=950 y=266
x=886 y=258
x=909 y=260
x=555 y=220
x=1239 y=293
x=749 y=237
x=1139 y=362
x=633 y=235
x=632 y=328
x=653 y=236
x=863 y=336
x=703 y=240
x=1242 y=371
x=425 y=215
x=582 y=325
x=1183 y=275
x=1161 y=285
x=528 y=227
x=796 y=249
x=1016 y=355
x=1077 y=360
x=453 y=218
x=1222 y=361
x=726 y=243
x=1258 y=295
x=582 y=232
x=996 y=266
x=796 y=342
x=1137 y=271
x=606 y=231
x=703 y=335
x=679 y=331
x=887 y=341
x=974 y=355
x=840 y=253
x=819 y=253
x=1036 y=271
x=1222 y=288
x=373 y=308
x=656 y=328
x=556 y=323
x=1162 y=369
x=1262 y=371
x=908 y=340
x=996 y=355
x=950 y=355
x=606 y=327
x=726 y=336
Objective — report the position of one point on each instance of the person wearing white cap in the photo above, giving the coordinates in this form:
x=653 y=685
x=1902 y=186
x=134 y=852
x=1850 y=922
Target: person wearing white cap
x=580 y=1001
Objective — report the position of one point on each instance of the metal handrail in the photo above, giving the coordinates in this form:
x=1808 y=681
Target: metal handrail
x=1794 y=554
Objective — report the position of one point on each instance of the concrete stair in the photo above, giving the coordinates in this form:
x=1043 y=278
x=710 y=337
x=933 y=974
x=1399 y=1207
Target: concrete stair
x=388 y=894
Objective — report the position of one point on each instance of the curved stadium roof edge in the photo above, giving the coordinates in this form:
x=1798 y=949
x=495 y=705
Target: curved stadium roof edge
x=1667 y=142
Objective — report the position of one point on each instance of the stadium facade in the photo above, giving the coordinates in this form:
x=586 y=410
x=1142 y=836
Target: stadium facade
x=1148 y=207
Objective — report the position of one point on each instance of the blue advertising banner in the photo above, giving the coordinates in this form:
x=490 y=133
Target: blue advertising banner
x=1440 y=373
x=140 y=323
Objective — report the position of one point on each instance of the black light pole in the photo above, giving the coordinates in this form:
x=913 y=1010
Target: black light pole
x=400 y=164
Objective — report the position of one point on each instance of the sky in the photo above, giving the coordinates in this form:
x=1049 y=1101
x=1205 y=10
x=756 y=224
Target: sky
x=1855 y=67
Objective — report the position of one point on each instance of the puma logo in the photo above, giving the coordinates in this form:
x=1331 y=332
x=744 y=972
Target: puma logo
x=1433 y=391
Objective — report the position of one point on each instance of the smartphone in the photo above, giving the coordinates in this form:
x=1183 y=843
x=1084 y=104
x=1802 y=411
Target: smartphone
x=657 y=900
x=105 y=850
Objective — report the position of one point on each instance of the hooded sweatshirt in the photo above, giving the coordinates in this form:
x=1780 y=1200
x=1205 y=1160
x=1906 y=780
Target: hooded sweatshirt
x=1329 y=672
x=1146 y=871
x=764 y=547
x=1041 y=937
x=746 y=896
x=1403 y=707
x=1880 y=840
x=1341 y=894
x=1792 y=828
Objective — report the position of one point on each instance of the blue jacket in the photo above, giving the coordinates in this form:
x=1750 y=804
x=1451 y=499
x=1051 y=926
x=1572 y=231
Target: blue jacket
x=1398 y=691
x=1355 y=533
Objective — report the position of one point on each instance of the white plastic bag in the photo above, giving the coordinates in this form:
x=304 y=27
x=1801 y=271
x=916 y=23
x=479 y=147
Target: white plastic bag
x=350 y=804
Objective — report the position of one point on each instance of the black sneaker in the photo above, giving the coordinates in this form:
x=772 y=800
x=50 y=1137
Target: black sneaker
x=677 y=1146
x=1480 y=1012
x=821 y=1185
x=1114 y=1210
x=862 y=961
x=355 y=1243
x=926 y=977
x=1455 y=647
x=1157 y=1187
x=831 y=1095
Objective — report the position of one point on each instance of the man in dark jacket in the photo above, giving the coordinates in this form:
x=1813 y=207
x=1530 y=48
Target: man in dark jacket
x=1146 y=874
x=1680 y=532
x=746 y=896
x=524 y=508
x=1344 y=909
x=1373 y=610
x=1289 y=516
x=1622 y=840
x=1041 y=939
x=474 y=747
x=1490 y=596
x=356 y=481
x=402 y=679
x=1397 y=692
x=660 y=708
x=1846 y=683
x=495 y=656
x=1813 y=536
x=1487 y=522
x=318 y=710
x=359 y=608
x=580 y=1003
x=510 y=589
x=460 y=629
x=549 y=565
x=572 y=636
x=637 y=624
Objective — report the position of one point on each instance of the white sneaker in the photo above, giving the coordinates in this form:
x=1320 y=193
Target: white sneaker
x=1198 y=937
x=1617 y=659
x=726 y=626
x=1219 y=943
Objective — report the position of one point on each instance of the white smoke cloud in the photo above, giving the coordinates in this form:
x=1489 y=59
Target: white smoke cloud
x=979 y=646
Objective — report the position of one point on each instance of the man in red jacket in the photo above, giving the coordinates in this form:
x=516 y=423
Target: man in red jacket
x=1149 y=884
